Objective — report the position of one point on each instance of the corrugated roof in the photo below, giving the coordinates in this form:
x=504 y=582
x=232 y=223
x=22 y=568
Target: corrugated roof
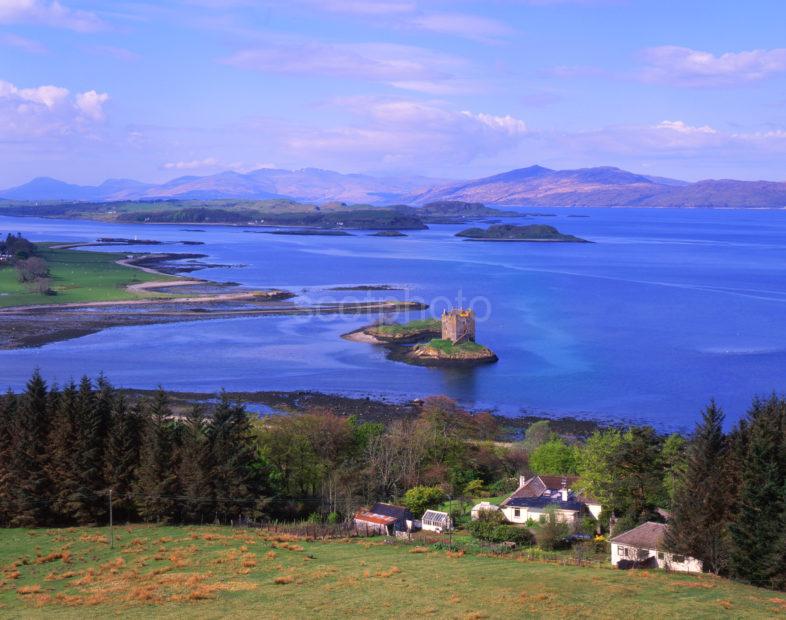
x=648 y=535
x=390 y=510
x=374 y=518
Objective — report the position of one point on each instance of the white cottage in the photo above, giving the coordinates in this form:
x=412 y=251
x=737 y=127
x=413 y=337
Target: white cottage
x=539 y=494
x=642 y=547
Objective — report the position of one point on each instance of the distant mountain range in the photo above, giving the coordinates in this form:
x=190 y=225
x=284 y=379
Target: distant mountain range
x=534 y=186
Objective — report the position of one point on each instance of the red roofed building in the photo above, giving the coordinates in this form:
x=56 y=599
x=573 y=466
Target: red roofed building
x=385 y=519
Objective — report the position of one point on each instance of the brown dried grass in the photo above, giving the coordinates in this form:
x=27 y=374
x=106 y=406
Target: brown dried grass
x=283 y=580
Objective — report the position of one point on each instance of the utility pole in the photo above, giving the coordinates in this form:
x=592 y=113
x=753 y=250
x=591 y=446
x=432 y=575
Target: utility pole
x=111 y=523
x=450 y=522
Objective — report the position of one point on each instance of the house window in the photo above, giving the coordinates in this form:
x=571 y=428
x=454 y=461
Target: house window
x=679 y=559
x=516 y=512
x=660 y=555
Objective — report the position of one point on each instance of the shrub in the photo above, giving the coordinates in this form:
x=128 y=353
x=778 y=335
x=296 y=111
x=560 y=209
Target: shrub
x=421 y=498
x=553 y=533
x=491 y=527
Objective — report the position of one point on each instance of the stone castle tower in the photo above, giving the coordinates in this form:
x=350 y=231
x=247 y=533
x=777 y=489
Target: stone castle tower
x=458 y=326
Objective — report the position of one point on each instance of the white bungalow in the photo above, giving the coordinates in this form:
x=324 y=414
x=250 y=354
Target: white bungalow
x=642 y=547
x=540 y=494
x=436 y=521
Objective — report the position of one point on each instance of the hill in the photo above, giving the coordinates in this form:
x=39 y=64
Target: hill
x=534 y=186
x=308 y=184
x=212 y=572
x=611 y=187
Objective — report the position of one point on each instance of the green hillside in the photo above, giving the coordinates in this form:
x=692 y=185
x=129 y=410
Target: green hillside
x=213 y=572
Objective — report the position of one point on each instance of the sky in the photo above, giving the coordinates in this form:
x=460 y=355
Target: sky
x=453 y=89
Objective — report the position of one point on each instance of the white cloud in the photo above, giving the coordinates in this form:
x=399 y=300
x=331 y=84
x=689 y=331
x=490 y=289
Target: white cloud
x=91 y=104
x=682 y=127
x=194 y=164
x=48 y=13
x=682 y=66
x=47 y=111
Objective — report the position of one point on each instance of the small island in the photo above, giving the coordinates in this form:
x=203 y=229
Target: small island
x=451 y=340
x=388 y=233
x=512 y=232
x=445 y=352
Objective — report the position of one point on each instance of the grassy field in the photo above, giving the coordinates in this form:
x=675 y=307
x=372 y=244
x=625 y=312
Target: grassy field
x=212 y=572
x=77 y=276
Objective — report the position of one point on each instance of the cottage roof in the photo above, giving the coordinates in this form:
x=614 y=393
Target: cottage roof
x=545 y=501
x=377 y=519
x=390 y=510
x=435 y=516
x=648 y=535
x=537 y=486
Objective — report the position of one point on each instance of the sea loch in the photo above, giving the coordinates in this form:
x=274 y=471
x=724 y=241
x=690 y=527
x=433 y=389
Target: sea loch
x=666 y=309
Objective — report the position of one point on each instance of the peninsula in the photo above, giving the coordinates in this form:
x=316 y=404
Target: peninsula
x=46 y=288
x=512 y=232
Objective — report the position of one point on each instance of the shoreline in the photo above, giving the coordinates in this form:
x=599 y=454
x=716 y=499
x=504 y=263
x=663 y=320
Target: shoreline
x=35 y=325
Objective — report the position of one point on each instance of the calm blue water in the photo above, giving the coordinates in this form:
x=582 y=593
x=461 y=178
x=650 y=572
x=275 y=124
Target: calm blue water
x=667 y=309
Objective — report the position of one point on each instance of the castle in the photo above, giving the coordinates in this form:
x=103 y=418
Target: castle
x=458 y=326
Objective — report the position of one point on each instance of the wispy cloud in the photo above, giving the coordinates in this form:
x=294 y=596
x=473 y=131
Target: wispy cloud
x=119 y=53
x=403 y=66
x=22 y=43
x=402 y=134
x=474 y=27
x=48 y=13
x=683 y=66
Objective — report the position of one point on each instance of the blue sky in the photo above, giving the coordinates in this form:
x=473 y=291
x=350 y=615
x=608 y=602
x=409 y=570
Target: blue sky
x=453 y=89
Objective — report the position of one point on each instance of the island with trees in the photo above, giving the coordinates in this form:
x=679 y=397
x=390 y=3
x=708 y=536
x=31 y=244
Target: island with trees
x=513 y=232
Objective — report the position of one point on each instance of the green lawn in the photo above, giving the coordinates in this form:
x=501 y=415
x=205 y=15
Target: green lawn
x=448 y=347
x=77 y=276
x=212 y=572
x=399 y=329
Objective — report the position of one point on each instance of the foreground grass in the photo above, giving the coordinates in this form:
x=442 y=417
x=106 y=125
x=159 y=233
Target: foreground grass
x=77 y=277
x=212 y=572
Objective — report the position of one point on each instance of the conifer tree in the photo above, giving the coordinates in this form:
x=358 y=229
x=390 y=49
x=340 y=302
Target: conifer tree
x=8 y=408
x=700 y=511
x=195 y=467
x=757 y=527
x=122 y=456
x=30 y=486
x=236 y=475
x=62 y=453
x=156 y=480
x=87 y=500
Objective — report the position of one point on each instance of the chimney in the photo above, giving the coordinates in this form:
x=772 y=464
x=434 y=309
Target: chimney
x=522 y=481
x=564 y=489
